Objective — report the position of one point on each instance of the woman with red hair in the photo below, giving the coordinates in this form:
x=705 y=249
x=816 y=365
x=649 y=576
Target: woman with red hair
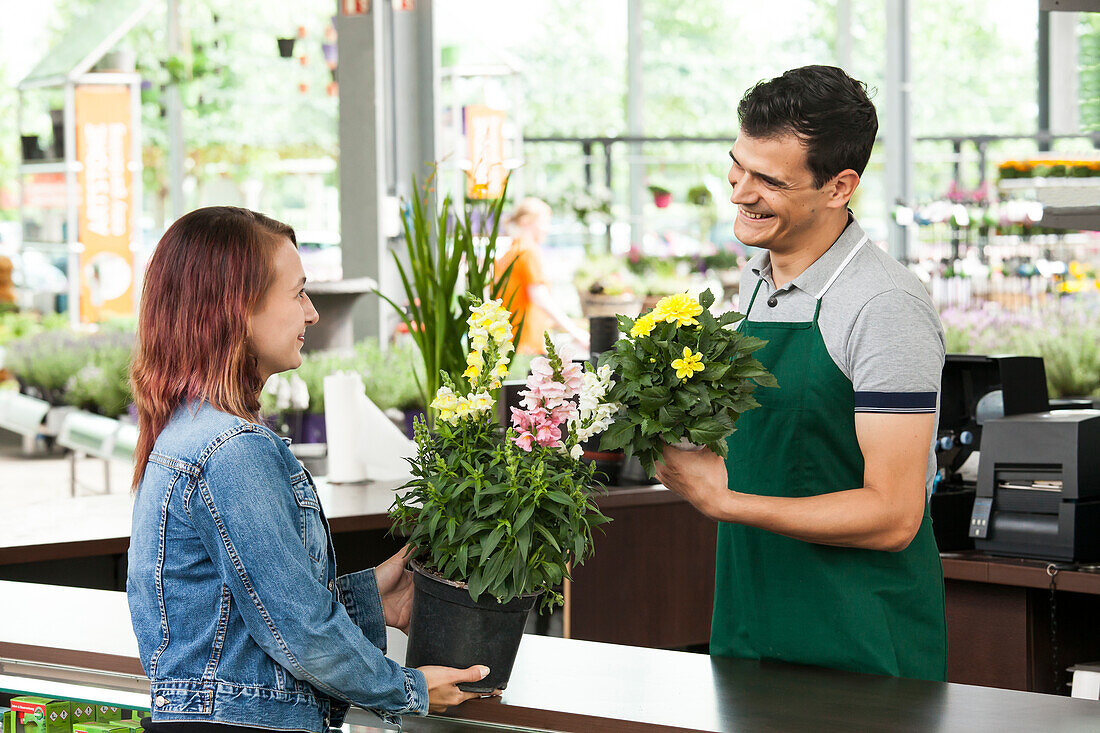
x=240 y=619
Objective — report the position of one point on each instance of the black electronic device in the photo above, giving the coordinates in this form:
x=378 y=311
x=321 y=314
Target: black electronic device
x=975 y=389
x=1039 y=477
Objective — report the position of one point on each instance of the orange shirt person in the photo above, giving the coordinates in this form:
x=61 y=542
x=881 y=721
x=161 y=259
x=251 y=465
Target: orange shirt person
x=527 y=294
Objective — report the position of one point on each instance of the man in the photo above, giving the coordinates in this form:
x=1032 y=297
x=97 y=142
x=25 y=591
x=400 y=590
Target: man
x=825 y=548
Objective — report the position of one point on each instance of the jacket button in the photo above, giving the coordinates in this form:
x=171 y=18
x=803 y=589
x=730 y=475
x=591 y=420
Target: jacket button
x=161 y=701
x=773 y=301
x=331 y=585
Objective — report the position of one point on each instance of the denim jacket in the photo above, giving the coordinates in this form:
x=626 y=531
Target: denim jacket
x=233 y=594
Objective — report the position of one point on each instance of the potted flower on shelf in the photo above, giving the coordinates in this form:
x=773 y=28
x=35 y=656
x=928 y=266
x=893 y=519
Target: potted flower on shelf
x=498 y=516
x=662 y=197
x=683 y=379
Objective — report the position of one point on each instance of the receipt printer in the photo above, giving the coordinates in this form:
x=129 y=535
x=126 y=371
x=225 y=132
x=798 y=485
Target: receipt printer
x=1038 y=491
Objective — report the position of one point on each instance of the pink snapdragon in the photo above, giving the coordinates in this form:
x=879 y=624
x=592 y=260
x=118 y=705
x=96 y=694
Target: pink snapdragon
x=547 y=404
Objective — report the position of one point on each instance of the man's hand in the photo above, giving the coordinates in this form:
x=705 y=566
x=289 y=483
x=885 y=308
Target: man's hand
x=698 y=476
x=395 y=585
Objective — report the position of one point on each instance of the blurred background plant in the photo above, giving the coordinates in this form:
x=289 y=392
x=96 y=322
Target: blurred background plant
x=1065 y=332
x=89 y=371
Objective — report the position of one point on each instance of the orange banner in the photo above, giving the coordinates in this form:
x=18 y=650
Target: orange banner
x=104 y=150
x=485 y=151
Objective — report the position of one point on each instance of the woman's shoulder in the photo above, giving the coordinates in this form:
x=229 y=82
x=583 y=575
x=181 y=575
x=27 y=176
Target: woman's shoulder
x=197 y=431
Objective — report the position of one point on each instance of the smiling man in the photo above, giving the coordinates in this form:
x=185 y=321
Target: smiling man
x=825 y=547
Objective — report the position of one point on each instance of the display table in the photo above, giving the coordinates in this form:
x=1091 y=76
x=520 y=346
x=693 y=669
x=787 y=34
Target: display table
x=567 y=685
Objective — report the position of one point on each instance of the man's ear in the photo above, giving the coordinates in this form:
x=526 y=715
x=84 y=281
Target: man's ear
x=842 y=187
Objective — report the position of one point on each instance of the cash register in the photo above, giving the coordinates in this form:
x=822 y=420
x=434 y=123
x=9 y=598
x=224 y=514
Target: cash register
x=975 y=389
x=1038 y=489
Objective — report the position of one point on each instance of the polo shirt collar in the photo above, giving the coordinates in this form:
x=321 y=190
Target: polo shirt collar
x=815 y=277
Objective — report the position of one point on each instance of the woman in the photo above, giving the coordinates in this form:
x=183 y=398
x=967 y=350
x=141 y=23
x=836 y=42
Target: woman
x=527 y=294
x=239 y=616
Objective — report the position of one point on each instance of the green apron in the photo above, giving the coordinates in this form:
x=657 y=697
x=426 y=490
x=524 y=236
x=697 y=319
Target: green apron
x=780 y=598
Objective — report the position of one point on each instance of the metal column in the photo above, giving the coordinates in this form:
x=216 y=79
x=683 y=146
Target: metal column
x=635 y=126
x=363 y=155
x=897 y=131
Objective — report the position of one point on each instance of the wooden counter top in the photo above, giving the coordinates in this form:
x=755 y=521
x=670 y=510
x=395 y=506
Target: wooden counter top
x=89 y=526
x=981 y=568
x=576 y=686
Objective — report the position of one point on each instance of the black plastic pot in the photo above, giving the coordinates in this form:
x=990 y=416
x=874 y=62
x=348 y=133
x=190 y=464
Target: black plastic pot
x=31 y=149
x=286 y=47
x=449 y=629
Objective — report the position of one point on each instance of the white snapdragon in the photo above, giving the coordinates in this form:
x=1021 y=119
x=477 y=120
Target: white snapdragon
x=594 y=415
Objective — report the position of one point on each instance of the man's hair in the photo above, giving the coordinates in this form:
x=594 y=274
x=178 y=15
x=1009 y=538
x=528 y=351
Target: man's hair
x=824 y=107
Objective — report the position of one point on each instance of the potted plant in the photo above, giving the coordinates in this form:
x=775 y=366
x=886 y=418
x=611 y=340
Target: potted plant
x=498 y=516
x=683 y=379
x=440 y=246
x=662 y=197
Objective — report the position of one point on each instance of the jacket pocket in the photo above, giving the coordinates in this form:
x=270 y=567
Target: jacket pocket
x=311 y=527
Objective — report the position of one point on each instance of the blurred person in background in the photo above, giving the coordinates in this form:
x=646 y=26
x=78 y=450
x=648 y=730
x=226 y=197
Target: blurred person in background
x=527 y=294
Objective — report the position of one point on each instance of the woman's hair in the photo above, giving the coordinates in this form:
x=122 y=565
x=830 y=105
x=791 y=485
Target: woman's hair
x=528 y=208
x=207 y=275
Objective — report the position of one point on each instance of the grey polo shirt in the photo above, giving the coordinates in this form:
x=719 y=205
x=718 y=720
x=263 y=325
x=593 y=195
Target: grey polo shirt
x=877 y=321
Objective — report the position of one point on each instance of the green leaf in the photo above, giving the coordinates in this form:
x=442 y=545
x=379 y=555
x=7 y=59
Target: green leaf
x=706 y=299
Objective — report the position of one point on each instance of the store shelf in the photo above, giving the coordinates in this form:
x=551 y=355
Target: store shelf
x=1072 y=217
x=49 y=166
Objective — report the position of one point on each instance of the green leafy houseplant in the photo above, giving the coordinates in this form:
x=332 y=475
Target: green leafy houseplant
x=505 y=511
x=683 y=376
x=440 y=248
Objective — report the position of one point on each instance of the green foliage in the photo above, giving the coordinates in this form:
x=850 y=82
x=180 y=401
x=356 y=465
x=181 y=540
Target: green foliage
x=22 y=324
x=390 y=376
x=482 y=511
x=89 y=371
x=660 y=408
x=441 y=249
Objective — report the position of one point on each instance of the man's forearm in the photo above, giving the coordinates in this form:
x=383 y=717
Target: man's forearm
x=861 y=517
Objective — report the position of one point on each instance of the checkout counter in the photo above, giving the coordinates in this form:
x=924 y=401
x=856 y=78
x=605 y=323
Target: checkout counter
x=80 y=647
x=1013 y=622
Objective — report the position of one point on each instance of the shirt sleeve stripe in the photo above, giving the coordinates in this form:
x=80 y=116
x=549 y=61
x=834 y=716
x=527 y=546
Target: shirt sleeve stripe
x=903 y=402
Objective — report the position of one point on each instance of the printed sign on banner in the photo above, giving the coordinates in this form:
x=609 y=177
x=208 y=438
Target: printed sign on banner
x=103 y=147
x=355 y=7
x=485 y=151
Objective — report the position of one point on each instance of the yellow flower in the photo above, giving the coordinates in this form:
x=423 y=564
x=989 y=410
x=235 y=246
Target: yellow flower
x=680 y=309
x=471 y=372
x=643 y=326
x=474 y=358
x=687 y=366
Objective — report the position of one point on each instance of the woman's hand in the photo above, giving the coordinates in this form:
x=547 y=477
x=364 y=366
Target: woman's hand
x=443 y=682
x=395 y=585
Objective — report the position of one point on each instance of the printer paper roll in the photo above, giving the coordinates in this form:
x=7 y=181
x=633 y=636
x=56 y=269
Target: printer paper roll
x=363 y=444
x=342 y=426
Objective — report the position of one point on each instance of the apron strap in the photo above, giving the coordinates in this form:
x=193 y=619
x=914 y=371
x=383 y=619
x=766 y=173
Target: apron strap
x=851 y=255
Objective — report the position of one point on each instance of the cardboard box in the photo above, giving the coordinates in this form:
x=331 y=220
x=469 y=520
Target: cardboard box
x=107 y=713
x=82 y=712
x=100 y=728
x=31 y=714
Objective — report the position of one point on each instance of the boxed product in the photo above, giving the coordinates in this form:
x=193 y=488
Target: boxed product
x=107 y=713
x=82 y=712
x=108 y=727
x=32 y=714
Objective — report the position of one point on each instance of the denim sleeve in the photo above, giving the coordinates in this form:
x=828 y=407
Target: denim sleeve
x=245 y=513
x=359 y=594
